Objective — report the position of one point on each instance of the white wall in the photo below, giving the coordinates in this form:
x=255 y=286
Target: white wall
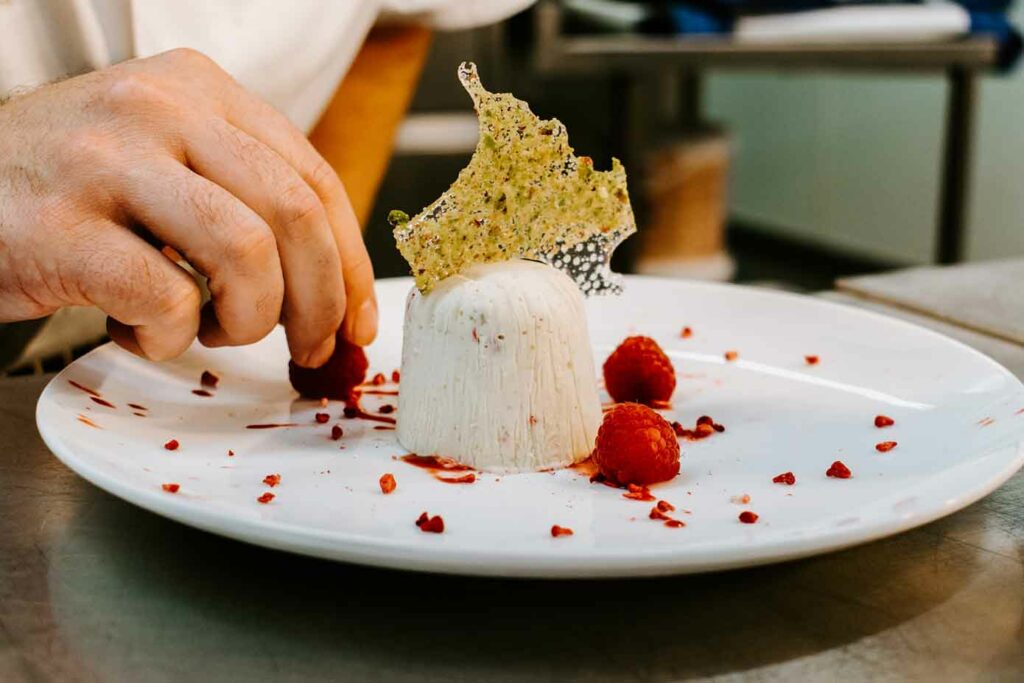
x=854 y=161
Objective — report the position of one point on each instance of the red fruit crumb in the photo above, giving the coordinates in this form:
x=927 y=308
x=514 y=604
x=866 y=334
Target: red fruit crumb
x=635 y=445
x=172 y=445
x=811 y=360
x=209 y=380
x=655 y=513
x=677 y=427
x=170 y=488
x=786 y=478
x=885 y=446
x=231 y=454
x=272 y=480
x=343 y=372
x=396 y=376
x=476 y=337
x=350 y=412
x=387 y=483
x=265 y=498
x=337 y=432
x=839 y=471
x=884 y=421
x=686 y=333
x=428 y=524
x=635 y=492
x=748 y=517
x=387 y=408
x=705 y=420
x=639 y=371
x=665 y=506
x=557 y=531
x=732 y=355
x=379 y=379
x=675 y=523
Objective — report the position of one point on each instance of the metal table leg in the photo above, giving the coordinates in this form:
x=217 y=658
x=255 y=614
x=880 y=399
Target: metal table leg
x=956 y=165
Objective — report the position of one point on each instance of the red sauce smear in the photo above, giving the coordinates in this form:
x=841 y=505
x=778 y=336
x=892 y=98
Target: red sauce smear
x=202 y=392
x=356 y=411
x=82 y=387
x=384 y=428
x=380 y=392
x=103 y=402
x=138 y=414
x=136 y=406
x=84 y=420
x=464 y=479
x=587 y=468
x=435 y=463
x=272 y=425
x=438 y=465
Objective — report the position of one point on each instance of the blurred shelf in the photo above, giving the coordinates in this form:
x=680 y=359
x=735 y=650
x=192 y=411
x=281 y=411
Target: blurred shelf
x=631 y=58
x=558 y=52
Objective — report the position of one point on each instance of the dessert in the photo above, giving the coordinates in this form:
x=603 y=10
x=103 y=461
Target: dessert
x=497 y=370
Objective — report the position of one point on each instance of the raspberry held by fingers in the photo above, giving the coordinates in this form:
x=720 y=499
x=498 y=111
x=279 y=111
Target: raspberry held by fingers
x=337 y=378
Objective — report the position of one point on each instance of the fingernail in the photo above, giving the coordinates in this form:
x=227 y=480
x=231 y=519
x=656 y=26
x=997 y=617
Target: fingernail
x=364 y=324
x=319 y=356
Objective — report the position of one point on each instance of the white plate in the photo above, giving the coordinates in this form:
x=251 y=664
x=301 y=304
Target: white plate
x=781 y=415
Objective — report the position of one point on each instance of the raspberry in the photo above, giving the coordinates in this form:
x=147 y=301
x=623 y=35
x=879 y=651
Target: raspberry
x=638 y=370
x=343 y=372
x=635 y=445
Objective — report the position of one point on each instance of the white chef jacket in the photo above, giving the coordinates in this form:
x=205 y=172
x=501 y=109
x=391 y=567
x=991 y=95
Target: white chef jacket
x=291 y=53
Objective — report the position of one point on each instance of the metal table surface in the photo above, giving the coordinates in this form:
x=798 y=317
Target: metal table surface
x=92 y=588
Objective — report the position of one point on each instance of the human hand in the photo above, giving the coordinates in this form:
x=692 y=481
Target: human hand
x=99 y=171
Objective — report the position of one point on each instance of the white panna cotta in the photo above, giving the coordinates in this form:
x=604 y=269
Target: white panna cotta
x=497 y=370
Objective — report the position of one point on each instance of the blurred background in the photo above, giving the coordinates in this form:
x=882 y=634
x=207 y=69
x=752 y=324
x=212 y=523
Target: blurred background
x=813 y=149
x=781 y=143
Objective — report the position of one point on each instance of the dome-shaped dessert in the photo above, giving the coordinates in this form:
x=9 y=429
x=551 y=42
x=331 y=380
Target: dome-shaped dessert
x=497 y=369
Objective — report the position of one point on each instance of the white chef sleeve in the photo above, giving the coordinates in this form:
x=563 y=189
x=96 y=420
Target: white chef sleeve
x=451 y=15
